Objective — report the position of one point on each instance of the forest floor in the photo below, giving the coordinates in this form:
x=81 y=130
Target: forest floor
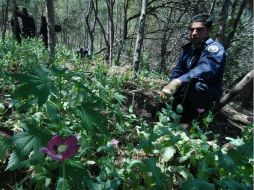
x=147 y=104
x=223 y=124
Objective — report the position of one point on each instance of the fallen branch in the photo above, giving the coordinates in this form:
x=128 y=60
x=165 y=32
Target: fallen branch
x=236 y=117
x=240 y=86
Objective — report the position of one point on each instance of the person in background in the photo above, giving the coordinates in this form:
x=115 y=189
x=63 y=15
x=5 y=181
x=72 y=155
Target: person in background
x=44 y=31
x=82 y=52
x=197 y=78
x=29 y=28
x=15 y=25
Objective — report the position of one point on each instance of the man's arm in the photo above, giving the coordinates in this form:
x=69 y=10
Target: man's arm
x=178 y=71
x=209 y=67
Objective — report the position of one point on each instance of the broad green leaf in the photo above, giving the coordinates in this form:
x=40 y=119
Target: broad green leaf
x=5 y=143
x=168 y=153
x=136 y=163
x=27 y=145
x=186 y=156
x=236 y=142
x=15 y=161
x=120 y=98
x=197 y=184
x=204 y=172
x=52 y=112
x=226 y=162
x=62 y=184
x=24 y=77
x=92 y=119
x=156 y=172
x=37 y=84
x=233 y=185
x=75 y=173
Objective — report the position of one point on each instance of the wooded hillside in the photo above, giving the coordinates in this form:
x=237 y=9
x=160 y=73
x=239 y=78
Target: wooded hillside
x=80 y=104
x=111 y=28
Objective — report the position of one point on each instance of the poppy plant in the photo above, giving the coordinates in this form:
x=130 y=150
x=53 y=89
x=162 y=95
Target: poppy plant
x=61 y=148
x=200 y=110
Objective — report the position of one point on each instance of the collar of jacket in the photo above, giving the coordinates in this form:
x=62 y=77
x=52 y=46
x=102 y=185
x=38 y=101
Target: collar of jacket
x=204 y=44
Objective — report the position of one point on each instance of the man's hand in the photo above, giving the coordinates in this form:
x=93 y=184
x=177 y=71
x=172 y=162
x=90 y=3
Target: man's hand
x=164 y=97
x=170 y=89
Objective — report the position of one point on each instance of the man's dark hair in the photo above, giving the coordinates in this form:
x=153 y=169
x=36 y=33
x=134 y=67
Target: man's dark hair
x=205 y=18
x=25 y=11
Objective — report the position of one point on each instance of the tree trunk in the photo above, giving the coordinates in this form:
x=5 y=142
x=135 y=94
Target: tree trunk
x=212 y=7
x=125 y=31
x=235 y=91
x=223 y=19
x=91 y=29
x=5 y=19
x=110 y=5
x=139 y=40
x=235 y=24
x=101 y=26
x=168 y=31
x=51 y=29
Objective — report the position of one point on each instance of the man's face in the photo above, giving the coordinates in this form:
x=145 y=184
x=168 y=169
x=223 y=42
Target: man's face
x=198 y=32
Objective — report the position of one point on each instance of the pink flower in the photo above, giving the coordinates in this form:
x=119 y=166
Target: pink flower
x=113 y=143
x=200 y=110
x=249 y=118
x=61 y=148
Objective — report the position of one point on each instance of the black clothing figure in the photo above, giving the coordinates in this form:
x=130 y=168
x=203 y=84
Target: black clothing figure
x=83 y=52
x=44 y=31
x=58 y=28
x=15 y=25
x=29 y=28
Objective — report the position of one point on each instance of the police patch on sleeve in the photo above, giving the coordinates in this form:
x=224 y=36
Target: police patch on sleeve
x=213 y=49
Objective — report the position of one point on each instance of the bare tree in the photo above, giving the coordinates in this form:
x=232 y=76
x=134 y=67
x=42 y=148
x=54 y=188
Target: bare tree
x=91 y=27
x=140 y=38
x=226 y=39
x=167 y=32
x=110 y=5
x=51 y=29
x=5 y=19
x=102 y=29
x=125 y=30
x=235 y=24
x=212 y=7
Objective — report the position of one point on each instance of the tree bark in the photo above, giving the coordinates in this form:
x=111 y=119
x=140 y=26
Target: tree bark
x=140 y=38
x=125 y=31
x=223 y=19
x=91 y=29
x=110 y=5
x=212 y=7
x=5 y=19
x=101 y=26
x=237 y=118
x=165 y=53
x=51 y=29
x=235 y=91
x=235 y=24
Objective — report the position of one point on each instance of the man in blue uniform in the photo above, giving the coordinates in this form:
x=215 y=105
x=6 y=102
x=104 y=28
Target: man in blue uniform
x=197 y=78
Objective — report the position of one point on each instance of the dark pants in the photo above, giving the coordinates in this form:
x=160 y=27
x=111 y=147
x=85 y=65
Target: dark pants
x=192 y=96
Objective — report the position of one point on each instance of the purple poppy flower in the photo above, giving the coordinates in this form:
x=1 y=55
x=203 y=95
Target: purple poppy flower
x=200 y=110
x=61 y=148
x=113 y=143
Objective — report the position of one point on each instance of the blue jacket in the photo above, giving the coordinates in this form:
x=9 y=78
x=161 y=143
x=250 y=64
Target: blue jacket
x=205 y=65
